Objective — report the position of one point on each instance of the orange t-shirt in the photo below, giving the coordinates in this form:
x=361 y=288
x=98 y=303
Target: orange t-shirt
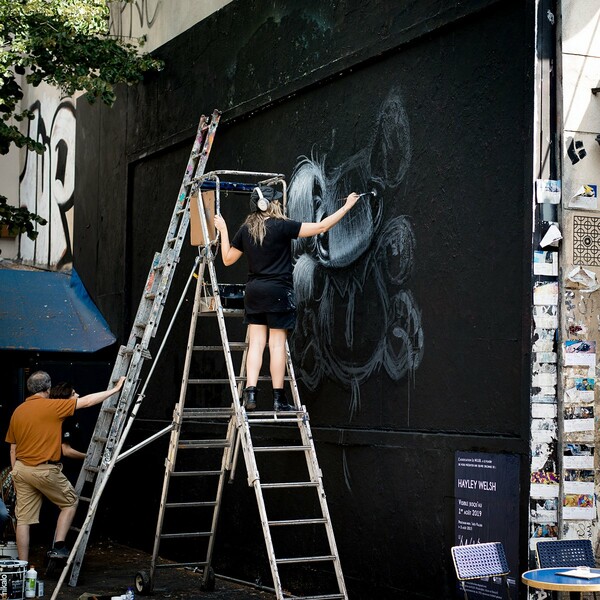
x=36 y=428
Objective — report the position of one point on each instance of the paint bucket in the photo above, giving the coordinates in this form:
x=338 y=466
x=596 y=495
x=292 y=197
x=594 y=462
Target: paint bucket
x=8 y=550
x=232 y=294
x=12 y=579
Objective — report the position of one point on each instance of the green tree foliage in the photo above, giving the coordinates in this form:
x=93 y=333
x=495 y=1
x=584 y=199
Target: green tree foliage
x=64 y=43
x=18 y=219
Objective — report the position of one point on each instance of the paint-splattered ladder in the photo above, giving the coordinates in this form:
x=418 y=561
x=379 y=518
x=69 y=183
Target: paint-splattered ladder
x=229 y=428
x=117 y=413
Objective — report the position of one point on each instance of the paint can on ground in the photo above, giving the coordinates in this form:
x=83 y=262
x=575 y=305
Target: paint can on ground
x=12 y=579
x=8 y=550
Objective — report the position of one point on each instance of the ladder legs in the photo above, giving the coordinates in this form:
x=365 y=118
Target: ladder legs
x=179 y=416
x=236 y=452
x=316 y=476
x=239 y=436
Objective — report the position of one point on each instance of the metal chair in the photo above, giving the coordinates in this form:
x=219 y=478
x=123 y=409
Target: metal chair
x=565 y=553
x=478 y=561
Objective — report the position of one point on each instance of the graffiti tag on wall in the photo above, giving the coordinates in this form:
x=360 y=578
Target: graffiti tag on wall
x=354 y=278
x=123 y=16
x=47 y=181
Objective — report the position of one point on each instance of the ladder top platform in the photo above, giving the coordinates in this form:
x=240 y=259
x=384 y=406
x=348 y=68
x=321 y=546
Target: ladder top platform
x=212 y=180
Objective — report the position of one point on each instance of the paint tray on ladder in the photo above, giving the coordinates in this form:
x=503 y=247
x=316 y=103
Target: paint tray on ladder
x=232 y=297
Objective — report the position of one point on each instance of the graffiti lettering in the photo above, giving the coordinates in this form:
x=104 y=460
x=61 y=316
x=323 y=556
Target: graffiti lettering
x=47 y=183
x=122 y=16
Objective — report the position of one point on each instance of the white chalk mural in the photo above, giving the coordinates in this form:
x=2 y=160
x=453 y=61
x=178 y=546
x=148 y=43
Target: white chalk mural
x=355 y=312
x=47 y=181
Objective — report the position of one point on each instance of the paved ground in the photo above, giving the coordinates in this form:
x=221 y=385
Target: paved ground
x=110 y=568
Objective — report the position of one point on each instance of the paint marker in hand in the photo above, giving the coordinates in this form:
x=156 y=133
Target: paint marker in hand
x=373 y=193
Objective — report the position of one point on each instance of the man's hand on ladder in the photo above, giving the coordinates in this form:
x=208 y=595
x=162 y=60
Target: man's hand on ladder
x=119 y=383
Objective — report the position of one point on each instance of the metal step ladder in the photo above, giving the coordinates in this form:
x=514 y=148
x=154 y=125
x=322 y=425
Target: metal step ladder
x=231 y=427
x=110 y=430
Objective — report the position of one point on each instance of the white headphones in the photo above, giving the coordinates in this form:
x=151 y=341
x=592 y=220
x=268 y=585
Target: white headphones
x=262 y=203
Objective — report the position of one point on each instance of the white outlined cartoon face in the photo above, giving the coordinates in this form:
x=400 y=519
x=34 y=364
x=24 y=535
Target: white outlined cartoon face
x=362 y=265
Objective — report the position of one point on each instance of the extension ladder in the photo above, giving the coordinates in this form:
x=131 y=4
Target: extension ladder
x=117 y=412
x=235 y=427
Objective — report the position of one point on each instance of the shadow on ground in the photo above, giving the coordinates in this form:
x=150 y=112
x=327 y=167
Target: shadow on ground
x=110 y=568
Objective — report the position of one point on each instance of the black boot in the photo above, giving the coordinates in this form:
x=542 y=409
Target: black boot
x=280 y=402
x=249 y=397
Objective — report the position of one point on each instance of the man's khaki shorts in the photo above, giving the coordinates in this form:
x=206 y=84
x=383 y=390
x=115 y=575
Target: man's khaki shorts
x=33 y=483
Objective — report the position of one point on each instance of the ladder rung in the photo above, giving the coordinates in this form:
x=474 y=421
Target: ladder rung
x=281 y=448
x=304 y=559
x=150 y=296
x=228 y=312
x=109 y=409
x=189 y=504
x=192 y=444
x=195 y=473
x=291 y=484
x=267 y=413
x=171 y=241
x=92 y=469
x=277 y=418
x=183 y=564
x=98 y=438
x=323 y=597
x=232 y=346
x=207 y=413
x=174 y=536
x=222 y=380
x=286 y=522
x=209 y=381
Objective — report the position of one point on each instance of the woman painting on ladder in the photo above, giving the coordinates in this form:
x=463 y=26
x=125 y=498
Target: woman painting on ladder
x=270 y=309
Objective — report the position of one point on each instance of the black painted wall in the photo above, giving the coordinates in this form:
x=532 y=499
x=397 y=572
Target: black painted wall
x=430 y=103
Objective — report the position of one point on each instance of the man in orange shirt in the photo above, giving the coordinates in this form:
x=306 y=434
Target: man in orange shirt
x=34 y=435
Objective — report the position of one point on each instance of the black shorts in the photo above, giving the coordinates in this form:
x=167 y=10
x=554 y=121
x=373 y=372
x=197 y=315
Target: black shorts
x=273 y=320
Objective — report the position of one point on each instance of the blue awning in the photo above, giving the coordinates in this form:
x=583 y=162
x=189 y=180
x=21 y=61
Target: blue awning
x=49 y=311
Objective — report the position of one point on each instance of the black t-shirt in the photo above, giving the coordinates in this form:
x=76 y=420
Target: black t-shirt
x=270 y=286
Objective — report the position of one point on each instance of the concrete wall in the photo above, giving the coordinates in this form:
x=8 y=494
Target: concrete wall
x=424 y=348
x=9 y=167
x=159 y=21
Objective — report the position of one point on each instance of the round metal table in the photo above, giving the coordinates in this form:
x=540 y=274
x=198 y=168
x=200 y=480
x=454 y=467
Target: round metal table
x=551 y=579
